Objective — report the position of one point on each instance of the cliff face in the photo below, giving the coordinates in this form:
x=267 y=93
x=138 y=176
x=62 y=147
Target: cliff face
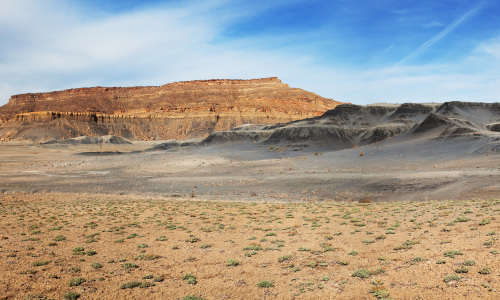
x=173 y=111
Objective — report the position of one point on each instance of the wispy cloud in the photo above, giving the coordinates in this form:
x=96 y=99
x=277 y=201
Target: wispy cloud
x=58 y=45
x=467 y=15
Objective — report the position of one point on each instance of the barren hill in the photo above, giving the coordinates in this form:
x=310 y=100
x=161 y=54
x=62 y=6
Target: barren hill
x=173 y=111
x=349 y=125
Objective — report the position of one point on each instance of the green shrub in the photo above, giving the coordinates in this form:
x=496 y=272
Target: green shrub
x=462 y=269
x=285 y=258
x=96 y=265
x=361 y=273
x=76 y=281
x=451 y=278
x=452 y=253
x=231 y=262
x=41 y=263
x=71 y=296
x=59 y=238
x=469 y=263
x=265 y=284
x=190 y=297
x=147 y=257
x=130 y=265
x=253 y=247
x=485 y=221
x=191 y=279
x=134 y=284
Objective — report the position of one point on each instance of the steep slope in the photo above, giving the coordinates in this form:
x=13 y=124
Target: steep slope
x=352 y=125
x=173 y=111
x=348 y=126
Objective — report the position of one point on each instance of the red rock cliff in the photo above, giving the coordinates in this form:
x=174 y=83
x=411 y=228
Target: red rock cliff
x=173 y=111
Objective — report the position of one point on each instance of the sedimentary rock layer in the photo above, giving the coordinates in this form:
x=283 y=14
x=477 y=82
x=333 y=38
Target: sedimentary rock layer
x=173 y=111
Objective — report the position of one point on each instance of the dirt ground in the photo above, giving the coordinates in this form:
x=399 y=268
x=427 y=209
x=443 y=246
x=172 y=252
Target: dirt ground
x=320 y=250
x=249 y=222
x=388 y=171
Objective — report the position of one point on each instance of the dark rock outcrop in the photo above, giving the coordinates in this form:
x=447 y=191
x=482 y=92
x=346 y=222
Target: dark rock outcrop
x=350 y=125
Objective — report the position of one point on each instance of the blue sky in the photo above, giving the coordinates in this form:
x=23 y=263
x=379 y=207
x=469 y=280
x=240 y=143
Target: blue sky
x=355 y=51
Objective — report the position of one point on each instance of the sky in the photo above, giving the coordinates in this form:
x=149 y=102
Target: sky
x=358 y=51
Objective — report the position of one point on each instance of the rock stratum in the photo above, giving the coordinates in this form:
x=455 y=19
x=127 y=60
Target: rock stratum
x=180 y=110
x=347 y=126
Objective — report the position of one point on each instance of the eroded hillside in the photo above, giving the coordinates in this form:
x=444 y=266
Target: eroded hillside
x=178 y=110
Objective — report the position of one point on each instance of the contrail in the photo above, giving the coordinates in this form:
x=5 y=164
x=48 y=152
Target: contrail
x=443 y=33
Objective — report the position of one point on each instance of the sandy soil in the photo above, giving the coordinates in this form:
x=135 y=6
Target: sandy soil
x=291 y=218
x=326 y=250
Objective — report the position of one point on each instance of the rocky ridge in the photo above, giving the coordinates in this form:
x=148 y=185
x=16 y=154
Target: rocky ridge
x=349 y=125
x=178 y=110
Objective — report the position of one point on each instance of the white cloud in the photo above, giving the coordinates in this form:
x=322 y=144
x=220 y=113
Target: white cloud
x=56 y=46
x=443 y=33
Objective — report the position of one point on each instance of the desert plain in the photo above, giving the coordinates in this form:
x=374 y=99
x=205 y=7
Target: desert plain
x=401 y=219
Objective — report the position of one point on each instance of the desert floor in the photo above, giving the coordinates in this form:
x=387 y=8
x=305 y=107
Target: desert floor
x=329 y=250
x=388 y=171
x=95 y=221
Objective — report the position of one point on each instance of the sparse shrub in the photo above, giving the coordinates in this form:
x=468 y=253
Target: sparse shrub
x=191 y=279
x=133 y=235
x=485 y=222
x=451 y=278
x=265 y=284
x=59 y=238
x=253 y=247
x=41 y=263
x=134 y=284
x=441 y=262
x=361 y=273
x=484 y=271
x=78 y=251
x=489 y=243
x=96 y=265
x=462 y=219
x=452 y=253
x=76 y=281
x=148 y=276
x=417 y=259
x=129 y=266
x=407 y=245
x=71 y=296
x=462 y=269
x=147 y=257
x=232 y=263
x=190 y=297
x=469 y=263
x=192 y=240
